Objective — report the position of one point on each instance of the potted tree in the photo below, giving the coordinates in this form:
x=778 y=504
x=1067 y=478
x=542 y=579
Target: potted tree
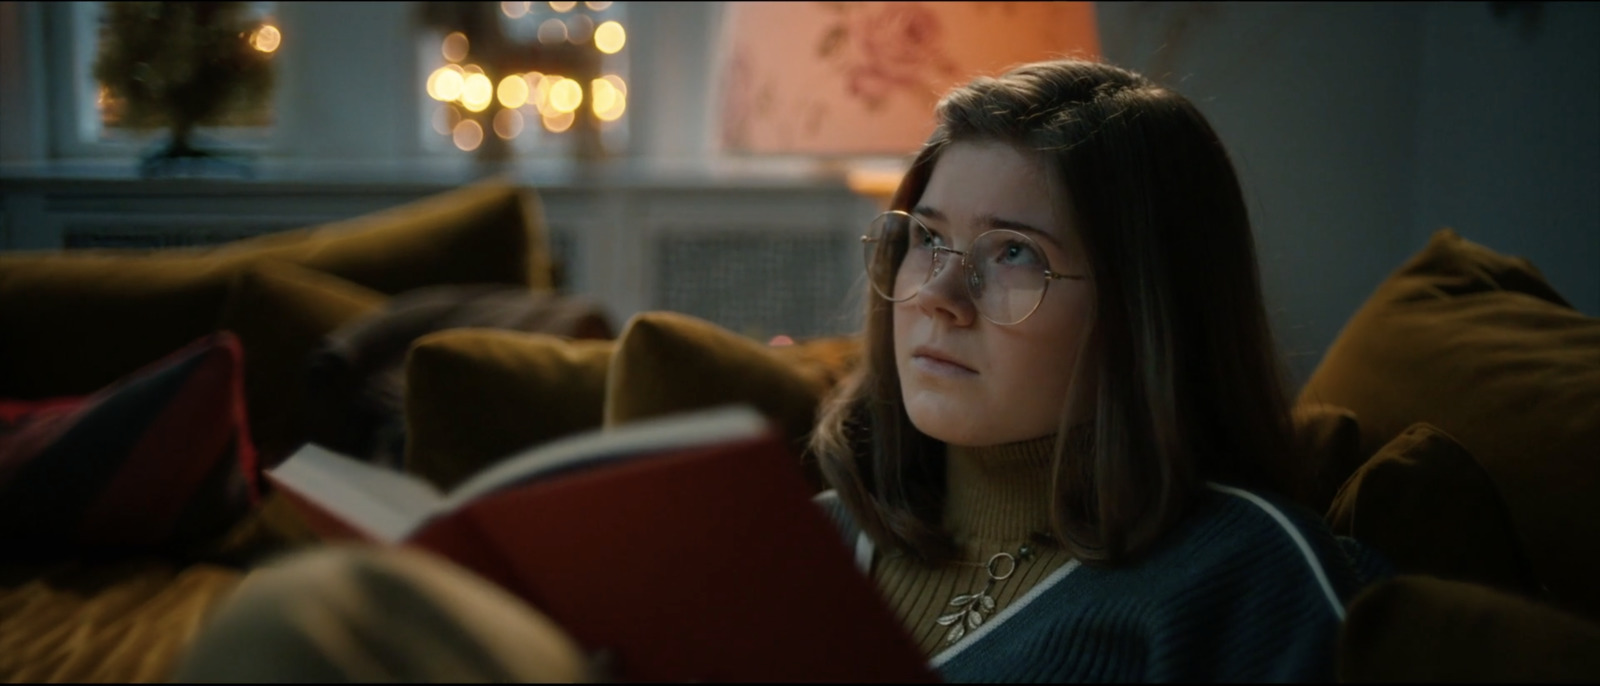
x=181 y=65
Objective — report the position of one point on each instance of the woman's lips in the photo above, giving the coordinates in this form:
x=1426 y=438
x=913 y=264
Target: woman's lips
x=935 y=363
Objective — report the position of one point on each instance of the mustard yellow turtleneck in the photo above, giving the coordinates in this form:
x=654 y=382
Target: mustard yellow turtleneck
x=996 y=498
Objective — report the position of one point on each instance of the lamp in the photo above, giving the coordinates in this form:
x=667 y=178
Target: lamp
x=855 y=79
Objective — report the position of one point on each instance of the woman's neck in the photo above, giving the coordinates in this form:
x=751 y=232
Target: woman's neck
x=998 y=493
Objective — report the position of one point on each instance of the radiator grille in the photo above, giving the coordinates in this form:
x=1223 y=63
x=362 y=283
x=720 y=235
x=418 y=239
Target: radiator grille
x=760 y=283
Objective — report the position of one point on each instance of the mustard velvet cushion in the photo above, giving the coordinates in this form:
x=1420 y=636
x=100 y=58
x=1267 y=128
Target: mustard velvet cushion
x=475 y=396
x=358 y=376
x=124 y=621
x=1328 y=446
x=1478 y=344
x=75 y=321
x=668 y=363
x=1427 y=505
x=1417 y=628
x=281 y=312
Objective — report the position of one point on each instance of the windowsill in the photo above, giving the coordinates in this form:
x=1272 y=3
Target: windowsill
x=440 y=172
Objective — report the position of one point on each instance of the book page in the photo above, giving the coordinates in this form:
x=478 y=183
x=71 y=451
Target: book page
x=381 y=501
x=718 y=425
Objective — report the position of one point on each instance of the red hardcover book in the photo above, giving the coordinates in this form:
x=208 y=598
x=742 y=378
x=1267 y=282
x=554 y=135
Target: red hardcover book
x=686 y=547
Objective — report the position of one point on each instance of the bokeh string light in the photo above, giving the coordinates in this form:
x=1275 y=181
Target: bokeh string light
x=475 y=97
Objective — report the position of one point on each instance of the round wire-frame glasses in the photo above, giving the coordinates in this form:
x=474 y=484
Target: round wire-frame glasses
x=1005 y=272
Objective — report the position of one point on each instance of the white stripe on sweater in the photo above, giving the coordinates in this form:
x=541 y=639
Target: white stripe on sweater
x=864 y=551
x=1016 y=606
x=1294 y=533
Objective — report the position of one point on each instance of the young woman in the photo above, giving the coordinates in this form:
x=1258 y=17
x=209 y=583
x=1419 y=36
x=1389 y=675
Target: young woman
x=1065 y=456
x=1067 y=452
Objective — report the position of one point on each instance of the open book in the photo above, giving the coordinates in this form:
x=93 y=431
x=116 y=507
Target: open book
x=687 y=547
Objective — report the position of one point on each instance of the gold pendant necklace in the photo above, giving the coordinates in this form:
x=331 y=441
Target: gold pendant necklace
x=973 y=608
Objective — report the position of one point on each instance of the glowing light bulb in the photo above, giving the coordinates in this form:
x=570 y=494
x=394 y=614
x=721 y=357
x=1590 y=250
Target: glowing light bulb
x=610 y=37
x=558 y=122
x=514 y=10
x=507 y=124
x=455 y=46
x=467 y=135
x=615 y=112
x=513 y=92
x=445 y=119
x=552 y=31
x=541 y=94
x=476 y=92
x=580 y=29
x=603 y=95
x=444 y=84
x=566 y=96
x=266 y=39
x=617 y=100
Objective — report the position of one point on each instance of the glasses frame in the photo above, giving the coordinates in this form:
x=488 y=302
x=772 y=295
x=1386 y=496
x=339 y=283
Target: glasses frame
x=967 y=269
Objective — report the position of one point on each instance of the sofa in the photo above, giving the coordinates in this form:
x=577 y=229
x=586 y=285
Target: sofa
x=1453 y=425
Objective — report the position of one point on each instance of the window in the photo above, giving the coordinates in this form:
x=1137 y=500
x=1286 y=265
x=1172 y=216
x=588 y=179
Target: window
x=97 y=122
x=352 y=82
x=551 y=78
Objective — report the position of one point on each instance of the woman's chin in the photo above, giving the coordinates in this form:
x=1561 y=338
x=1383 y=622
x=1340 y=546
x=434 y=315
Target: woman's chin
x=952 y=425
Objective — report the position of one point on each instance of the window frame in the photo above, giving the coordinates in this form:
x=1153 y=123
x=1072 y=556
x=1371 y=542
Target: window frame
x=71 y=40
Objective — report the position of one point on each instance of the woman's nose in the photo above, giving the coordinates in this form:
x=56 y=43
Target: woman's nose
x=945 y=293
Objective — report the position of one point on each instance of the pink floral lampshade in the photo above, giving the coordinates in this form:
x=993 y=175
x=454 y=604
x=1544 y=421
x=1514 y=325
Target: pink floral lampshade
x=861 y=78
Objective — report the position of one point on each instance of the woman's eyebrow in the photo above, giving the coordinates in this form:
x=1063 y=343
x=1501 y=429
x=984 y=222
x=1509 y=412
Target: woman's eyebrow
x=993 y=222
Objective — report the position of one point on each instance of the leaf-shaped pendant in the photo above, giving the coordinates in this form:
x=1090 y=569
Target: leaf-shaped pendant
x=974 y=618
x=962 y=599
x=952 y=618
x=956 y=632
x=987 y=603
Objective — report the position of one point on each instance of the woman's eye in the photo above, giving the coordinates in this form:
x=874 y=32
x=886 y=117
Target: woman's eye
x=926 y=239
x=1018 y=253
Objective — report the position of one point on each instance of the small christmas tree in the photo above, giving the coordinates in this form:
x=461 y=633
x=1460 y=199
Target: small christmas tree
x=181 y=65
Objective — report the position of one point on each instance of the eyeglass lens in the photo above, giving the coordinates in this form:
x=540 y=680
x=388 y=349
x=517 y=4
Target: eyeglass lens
x=1004 y=270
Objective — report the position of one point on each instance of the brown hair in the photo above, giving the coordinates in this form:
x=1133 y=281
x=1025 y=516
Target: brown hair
x=1179 y=355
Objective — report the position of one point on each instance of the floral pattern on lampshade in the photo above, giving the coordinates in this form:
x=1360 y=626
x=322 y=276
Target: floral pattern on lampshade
x=850 y=78
x=888 y=47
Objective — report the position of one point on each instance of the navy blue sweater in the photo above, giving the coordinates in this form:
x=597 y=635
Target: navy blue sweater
x=1247 y=588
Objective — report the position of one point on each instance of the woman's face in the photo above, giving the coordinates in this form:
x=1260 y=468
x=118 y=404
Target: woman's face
x=964 y=379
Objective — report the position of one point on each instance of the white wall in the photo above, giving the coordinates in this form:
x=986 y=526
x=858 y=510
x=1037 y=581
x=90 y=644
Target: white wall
x=1359 y=128
x=1315 y=103
x=1508 y=137
x=342 y=65
x=21 y=69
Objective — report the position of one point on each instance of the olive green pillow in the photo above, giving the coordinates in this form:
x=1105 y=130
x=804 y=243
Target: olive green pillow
x=476 y=396
x=1480 y=346
x=75 y=321
x=281 y=312
x=668 y=363
x=1411 y=629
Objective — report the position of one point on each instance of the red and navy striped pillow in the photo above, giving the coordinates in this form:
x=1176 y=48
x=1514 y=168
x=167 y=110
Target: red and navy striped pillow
x=160 y=460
